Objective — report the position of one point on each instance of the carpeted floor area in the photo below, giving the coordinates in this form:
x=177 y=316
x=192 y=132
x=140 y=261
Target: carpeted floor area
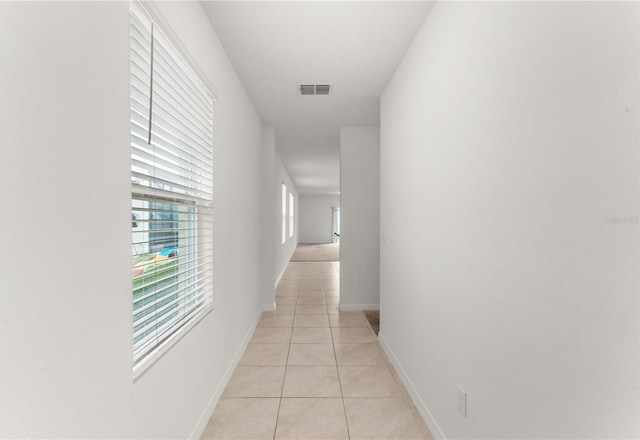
x=317 y=252
x=373 y=316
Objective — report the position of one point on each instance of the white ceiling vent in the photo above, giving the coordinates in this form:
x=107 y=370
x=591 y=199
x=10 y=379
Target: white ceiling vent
x=315 y=89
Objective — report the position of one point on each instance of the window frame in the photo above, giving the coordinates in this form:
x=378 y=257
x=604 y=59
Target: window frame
x=284 y=212
x=291 y=214
x=176 y=187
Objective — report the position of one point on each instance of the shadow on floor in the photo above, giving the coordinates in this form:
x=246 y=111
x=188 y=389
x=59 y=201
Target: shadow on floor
x=373 y=316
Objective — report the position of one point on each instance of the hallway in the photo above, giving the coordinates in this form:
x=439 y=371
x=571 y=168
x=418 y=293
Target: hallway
x=160 y=161
x=312 y=372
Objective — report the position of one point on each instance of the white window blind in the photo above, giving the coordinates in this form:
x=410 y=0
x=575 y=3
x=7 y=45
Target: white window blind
x=172 y=175
x=284 y=213
x=291 y=215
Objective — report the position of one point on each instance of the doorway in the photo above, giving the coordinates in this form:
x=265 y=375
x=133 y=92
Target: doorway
x=336 y=224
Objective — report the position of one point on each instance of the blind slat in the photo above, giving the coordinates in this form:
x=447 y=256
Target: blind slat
x=140 y=145
x=171 y=60
x=187 y=293
x=162 y=304
x=172 y=172
x=176 y=118
x=170 y=85
x=188 y=268
x=165 y=331
x=195 y=192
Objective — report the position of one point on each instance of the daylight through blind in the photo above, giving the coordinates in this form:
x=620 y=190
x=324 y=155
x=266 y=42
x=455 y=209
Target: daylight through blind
x=172 y=177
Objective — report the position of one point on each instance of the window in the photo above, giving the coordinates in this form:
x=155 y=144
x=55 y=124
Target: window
x=290 y=215
x=172 y=174
x=336 y=224
x=284 y=213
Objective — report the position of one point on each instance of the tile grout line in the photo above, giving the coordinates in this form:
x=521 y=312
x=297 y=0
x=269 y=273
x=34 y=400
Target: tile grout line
x=284 y=376
x=335 y=355
x=295 y=314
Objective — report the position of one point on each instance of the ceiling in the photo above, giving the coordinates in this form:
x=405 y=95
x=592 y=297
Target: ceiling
x=353 y=45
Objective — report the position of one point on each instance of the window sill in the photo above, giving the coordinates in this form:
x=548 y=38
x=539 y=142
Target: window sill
x=145 y=364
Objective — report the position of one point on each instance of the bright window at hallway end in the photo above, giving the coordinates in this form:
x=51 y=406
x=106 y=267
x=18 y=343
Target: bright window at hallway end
x=291 y=214
x=284 y=213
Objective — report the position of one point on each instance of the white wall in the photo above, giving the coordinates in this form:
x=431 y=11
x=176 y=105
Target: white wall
x=509 y=189
x=284 y=251
x=316 y=217
x=359 y=218
x=275 y=254
x=65 y=307
x=271 y=217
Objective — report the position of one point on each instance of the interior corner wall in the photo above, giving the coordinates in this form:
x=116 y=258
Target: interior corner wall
x=284 y=251
x=510 y=194
x=65 y=307
x=316 y=217
x=359 y=218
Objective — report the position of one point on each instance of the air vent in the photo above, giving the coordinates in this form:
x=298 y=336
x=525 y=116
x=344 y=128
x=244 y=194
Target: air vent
x=322 y=89
x=307 y=89
x=315 y=89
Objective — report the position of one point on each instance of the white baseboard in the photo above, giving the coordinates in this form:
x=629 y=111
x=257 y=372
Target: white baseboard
x=269 y=307
x=417 y=400
x=358 y=307
x=211 y=406
x=280 y=276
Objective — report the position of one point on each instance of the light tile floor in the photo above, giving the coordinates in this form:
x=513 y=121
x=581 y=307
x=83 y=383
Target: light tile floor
x=312 y=372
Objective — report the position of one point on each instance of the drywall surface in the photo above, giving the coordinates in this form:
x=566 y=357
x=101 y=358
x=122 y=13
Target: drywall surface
x=275 y=254
x=510 y=196
x=271 y=216
x=359 y=218
x=316 y=217
x=285 y=250
x=65 y=368
x=65 y=307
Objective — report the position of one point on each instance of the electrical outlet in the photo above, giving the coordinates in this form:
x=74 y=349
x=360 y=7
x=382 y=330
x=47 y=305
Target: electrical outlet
x=461 y=401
